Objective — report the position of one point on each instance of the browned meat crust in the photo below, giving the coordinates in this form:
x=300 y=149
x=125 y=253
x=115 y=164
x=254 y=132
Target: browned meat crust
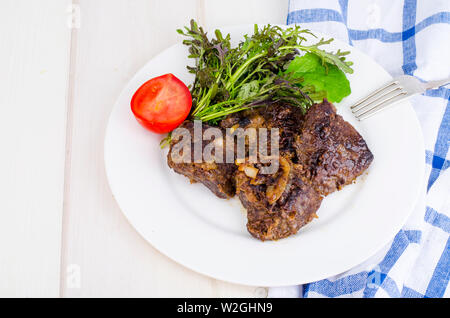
x=218 y=177
x=295 y=205
x=326 y=154
x=331 y=151
x=319 y=154
x=288 y=119
x=277 y=205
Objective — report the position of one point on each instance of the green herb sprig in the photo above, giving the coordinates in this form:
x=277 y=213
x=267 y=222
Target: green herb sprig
x=254 y=73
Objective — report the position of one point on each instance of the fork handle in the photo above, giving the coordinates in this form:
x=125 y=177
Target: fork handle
x=436 y=84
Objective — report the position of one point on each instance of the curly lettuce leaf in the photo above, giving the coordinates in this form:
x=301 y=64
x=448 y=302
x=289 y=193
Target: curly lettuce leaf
x=326 y=79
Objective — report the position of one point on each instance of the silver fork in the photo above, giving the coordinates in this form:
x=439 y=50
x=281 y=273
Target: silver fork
x=393 y=92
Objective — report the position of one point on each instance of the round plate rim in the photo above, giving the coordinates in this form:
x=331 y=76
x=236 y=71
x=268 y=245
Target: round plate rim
x=221 y=276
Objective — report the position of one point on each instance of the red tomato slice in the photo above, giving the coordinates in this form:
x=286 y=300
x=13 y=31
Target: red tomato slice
x=162 y=103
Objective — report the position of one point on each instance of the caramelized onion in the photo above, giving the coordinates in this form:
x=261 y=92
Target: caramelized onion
x=274 y=192
x=251 y=172
x=233 y=128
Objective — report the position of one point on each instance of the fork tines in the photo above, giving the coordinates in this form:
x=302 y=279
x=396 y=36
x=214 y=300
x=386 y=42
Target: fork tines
x=378 y=100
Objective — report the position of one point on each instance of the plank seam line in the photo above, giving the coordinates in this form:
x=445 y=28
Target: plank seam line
x=68 y=150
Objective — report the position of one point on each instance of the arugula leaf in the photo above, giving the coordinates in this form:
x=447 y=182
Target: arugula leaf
x=252 y=74
x=326 y=79
x=248 y=90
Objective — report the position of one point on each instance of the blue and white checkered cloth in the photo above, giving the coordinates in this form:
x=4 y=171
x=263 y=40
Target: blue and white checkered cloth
x=406 y=37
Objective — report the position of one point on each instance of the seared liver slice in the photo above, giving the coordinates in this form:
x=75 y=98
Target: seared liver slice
x=217 y=177
x=288 y=119
x=319 y=154
x=295 y=206
x=330 y=150
x=327 y=154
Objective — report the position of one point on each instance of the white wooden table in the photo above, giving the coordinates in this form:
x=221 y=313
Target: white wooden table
x=62 y=65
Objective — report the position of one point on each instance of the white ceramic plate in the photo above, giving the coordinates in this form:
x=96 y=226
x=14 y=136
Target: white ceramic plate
x=190 y=225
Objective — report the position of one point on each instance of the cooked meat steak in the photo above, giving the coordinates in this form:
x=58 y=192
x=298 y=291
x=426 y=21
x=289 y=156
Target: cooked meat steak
x=277 y=205
x=330 y=150
x=319 y=154
x=218 y=177
x=288 y=119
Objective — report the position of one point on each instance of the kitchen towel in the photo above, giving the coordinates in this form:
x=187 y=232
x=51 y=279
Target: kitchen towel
x=406 y=37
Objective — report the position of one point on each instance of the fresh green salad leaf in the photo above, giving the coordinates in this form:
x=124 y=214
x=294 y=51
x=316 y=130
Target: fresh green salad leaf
x=327 y=79
x=252 y=74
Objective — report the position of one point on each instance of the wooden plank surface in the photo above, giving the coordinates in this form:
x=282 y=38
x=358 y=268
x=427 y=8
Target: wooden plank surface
x=34 y=55
x=114 y=40
x=237 y=12
x=63 y=63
